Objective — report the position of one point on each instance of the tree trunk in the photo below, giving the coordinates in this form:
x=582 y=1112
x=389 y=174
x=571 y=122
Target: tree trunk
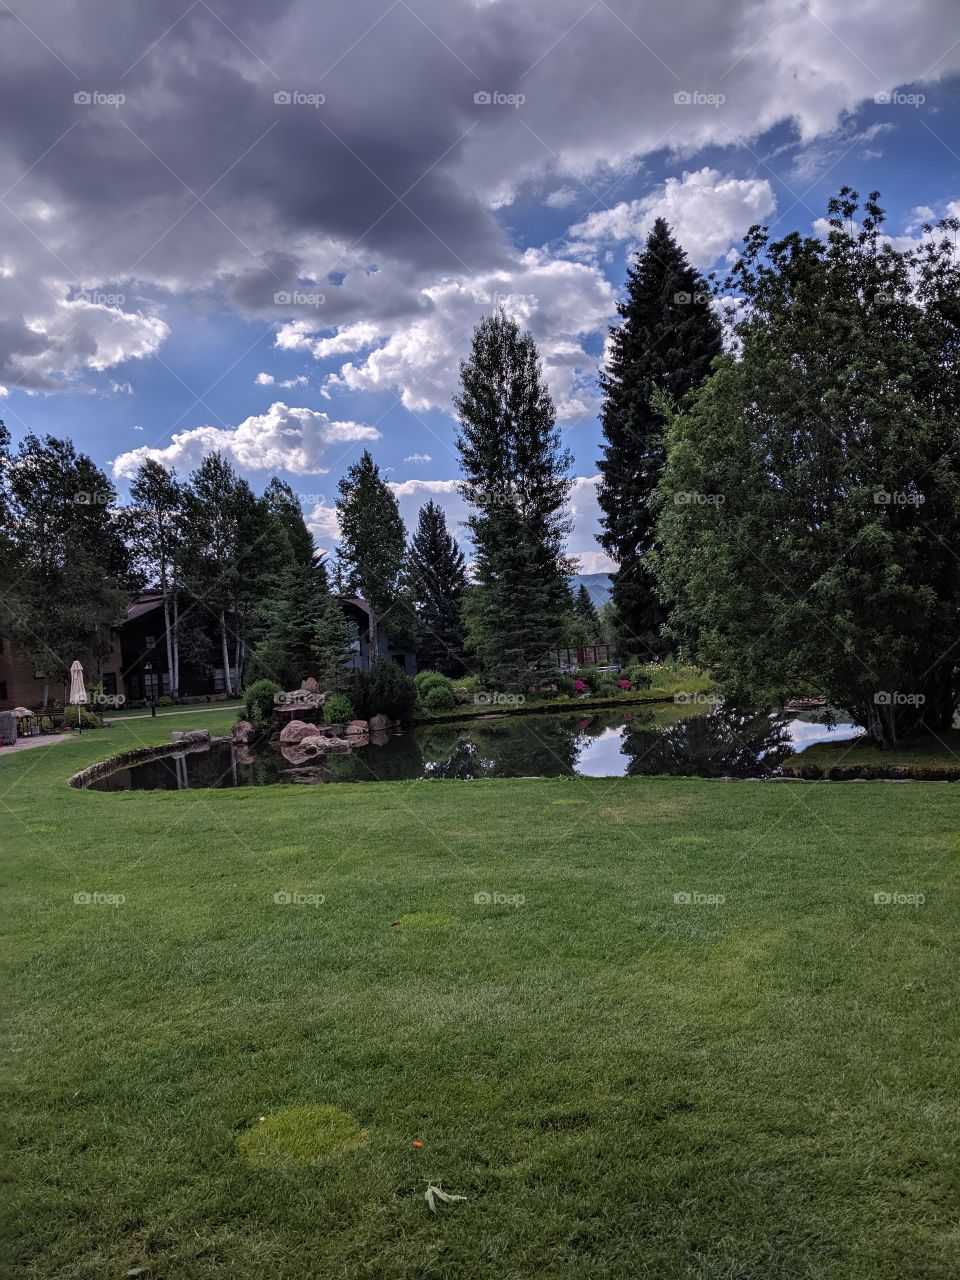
x=227 y=683
x=175 y=676
x=164 y=587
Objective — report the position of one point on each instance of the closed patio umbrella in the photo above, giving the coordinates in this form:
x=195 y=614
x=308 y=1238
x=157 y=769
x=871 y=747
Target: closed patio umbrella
x=78 y=692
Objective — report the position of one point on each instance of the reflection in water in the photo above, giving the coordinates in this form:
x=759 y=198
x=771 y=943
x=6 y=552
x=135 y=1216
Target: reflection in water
x=708 y=742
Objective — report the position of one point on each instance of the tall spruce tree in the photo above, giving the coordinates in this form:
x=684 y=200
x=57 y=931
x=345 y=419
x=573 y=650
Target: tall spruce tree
x=665 y=343
x=585 y=610
x=301 y=630
x=371 y=553
x=516 y=480
x=438 y=579
x=284 y=505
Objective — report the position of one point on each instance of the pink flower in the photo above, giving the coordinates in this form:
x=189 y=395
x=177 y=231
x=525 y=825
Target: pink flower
x=624 y=684
x=580 y=686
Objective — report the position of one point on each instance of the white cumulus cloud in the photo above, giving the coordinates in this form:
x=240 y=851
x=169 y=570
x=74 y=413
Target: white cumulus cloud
x=282 y=439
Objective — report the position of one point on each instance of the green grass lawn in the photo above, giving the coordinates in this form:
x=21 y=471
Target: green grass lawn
x=620 y=1085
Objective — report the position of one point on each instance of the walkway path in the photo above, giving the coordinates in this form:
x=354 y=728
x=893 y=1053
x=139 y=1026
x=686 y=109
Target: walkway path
x=43 y=740
x=198 y=709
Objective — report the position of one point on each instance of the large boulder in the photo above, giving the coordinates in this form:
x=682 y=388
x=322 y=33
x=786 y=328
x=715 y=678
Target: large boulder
x=331 y=730
x=244 y=732
x=337 y=744
x=317 y=744
x=296 y=731
x=310 y=685
x=379 y=739
x=357 y=729
x=379 y=724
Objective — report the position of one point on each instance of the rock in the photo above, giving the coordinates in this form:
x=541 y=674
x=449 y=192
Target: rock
x=338 y=744
x=332 y=730
x=177 y=736
x=379 y=724
x=379 y=739
x=243 y=732
x=462 y=696
x=357 y=728
x=291 y=752
x=310 y=685
x=296 y=730
x=198 y=735
x=312 y=745
x=243 y=754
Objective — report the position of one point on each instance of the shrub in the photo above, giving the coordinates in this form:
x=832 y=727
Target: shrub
x=470 y=683
x=338 y=709
x=428 y=680
x=87 y=719
x=439 y=698
x=383 y=690
x=638 y=675
x=165 y=701
x=260 y=700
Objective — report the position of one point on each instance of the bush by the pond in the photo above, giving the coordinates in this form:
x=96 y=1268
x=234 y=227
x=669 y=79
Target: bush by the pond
x=383 y=690
x=338 y=709
x=427 y=680
x=439 y=697
x=260 y=700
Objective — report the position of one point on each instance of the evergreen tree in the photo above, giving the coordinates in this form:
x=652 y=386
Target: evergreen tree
x=664 y=345
x=284 y=504
x=517 y=483
x=438 y=578
x=372 y=550
x=585 y=610
x=302 y=631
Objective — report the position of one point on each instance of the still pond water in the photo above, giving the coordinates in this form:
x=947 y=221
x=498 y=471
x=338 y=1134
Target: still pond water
x=708 y=742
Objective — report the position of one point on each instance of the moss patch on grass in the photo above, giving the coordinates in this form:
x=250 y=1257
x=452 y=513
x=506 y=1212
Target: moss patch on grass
x=299 y=1136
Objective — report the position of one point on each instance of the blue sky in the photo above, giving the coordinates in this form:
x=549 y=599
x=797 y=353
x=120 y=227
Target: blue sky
x=216 y=261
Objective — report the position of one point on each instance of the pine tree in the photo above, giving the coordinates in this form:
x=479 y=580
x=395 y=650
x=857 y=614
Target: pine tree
x=372 y=550
x=585 y=610
x=517 y=483
x=301 y=630
x=284 y=504
x=665 y=343
x=438 y=579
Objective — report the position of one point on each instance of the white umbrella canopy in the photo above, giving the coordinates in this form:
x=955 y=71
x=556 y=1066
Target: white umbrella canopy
x=78 y=693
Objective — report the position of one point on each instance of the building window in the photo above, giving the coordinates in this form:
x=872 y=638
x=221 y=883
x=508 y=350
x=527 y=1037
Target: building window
x=3 y=690
x=151 y=641
x=109 y=682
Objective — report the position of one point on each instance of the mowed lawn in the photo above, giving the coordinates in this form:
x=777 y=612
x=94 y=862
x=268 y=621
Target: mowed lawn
x=621 y=1085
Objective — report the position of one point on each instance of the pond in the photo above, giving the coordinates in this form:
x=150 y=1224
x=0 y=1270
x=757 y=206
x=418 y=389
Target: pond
x=706 y=741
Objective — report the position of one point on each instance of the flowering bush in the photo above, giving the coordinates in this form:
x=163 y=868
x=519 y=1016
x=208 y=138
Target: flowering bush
x=579 y=686
x=623 y=684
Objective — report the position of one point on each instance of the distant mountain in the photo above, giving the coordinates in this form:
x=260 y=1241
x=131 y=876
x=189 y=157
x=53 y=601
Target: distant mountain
x=598 y=586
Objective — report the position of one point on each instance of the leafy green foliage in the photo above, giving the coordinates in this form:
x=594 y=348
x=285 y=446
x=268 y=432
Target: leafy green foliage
x=383 y=690
x=516 y=482
x=811 y=500
x=663 y=346
x=338 y=709
x=439 y=697
x=260 y=700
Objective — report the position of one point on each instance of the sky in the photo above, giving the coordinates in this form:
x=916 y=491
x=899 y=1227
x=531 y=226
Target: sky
x=271 y=229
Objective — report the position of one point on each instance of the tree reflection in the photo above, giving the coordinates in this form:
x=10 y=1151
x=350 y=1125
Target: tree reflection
x=727 y=742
